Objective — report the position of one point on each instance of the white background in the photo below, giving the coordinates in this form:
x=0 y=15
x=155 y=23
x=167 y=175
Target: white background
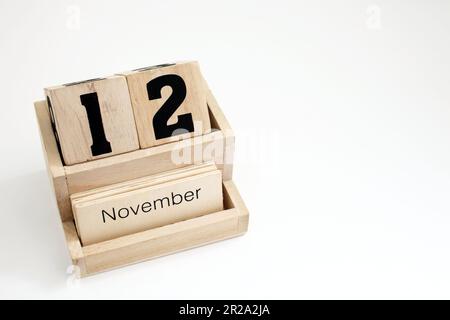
x=341 y=111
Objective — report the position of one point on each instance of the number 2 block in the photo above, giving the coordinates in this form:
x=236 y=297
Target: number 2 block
x=169 y=102
x=92 y=119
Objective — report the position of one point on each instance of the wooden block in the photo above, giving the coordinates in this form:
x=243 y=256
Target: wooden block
x=169 y=102
x=148 y=207
x=93 y=119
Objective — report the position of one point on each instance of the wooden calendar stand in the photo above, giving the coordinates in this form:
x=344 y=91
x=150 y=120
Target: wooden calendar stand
x=66 y=180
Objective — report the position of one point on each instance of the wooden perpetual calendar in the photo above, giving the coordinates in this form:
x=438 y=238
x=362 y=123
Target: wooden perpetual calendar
x=141 y=165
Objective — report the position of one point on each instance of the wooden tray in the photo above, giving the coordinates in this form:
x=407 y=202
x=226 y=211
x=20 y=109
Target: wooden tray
x=231 y=222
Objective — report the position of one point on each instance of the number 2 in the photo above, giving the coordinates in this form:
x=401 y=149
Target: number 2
x=184 y=123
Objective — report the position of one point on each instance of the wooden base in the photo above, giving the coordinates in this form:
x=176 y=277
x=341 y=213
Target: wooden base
x=153 y=243
x=67 y=180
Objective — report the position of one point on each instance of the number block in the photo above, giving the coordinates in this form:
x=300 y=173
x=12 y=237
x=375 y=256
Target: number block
x=169 y=102
x=92 y=119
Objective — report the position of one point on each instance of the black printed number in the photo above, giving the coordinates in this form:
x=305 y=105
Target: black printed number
x=100 y=145
x=185 y=123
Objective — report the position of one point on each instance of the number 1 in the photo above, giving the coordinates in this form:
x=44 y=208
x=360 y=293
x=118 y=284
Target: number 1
x=100 y=145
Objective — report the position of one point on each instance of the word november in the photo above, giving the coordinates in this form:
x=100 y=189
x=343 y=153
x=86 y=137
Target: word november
x=123 y=210
x=147 y=206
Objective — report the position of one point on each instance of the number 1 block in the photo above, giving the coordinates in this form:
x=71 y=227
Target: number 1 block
x=169 y=102
x=92 y=119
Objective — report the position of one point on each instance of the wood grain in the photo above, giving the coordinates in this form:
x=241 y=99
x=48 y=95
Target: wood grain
x=148 y=207
x=145 y=109
x=143 y=162
x=153 y=243
x=55 y=168
x=72 y=125
x=129 y=185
